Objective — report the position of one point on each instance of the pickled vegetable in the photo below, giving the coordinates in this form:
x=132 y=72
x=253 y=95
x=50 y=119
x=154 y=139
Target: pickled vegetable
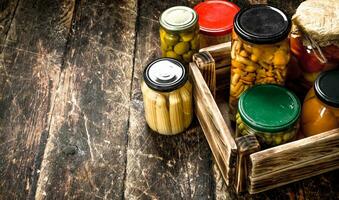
x=180 y=45
x=317 y=117
x=266 y=139
x=168 y=113
x=254 y=64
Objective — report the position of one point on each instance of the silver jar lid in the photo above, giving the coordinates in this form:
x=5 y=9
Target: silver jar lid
x=165 y=75
x=178 y=18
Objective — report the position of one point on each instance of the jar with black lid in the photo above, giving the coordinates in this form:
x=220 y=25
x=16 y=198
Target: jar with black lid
x=260 y=50
x=167 y=95
x=320 y=112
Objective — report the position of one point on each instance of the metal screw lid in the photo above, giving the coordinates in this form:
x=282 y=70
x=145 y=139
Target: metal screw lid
x=178 y=18
x=165 y=75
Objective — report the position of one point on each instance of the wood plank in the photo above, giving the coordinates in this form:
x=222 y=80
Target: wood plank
x=7 y=10
x=31 y=59
x=85 y=156
x=162 y=167
x=215 y=129
x=294 y=153
x=295 y=173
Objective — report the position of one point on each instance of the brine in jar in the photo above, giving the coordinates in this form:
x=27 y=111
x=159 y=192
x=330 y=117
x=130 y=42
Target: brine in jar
x=179 y=33
x=167 y=95
x=260 y=50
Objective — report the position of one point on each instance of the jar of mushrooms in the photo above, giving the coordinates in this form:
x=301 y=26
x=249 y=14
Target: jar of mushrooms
x=167 y=95
x=260 y=50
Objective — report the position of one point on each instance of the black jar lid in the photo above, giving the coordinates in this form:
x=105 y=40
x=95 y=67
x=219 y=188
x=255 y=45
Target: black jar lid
x=262 y=24
x=165 y=74
x=326 y=87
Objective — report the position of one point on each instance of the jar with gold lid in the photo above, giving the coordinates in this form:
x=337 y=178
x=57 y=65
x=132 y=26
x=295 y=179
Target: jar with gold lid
x=167 y=95
x=179 y=33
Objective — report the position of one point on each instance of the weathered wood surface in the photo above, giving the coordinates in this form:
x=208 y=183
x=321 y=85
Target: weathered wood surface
x=30 y=62
x=85 y=156
x=71 y=111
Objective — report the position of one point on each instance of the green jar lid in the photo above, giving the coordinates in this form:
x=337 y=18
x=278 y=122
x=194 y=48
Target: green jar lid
x=178 y=18
x=269 y=108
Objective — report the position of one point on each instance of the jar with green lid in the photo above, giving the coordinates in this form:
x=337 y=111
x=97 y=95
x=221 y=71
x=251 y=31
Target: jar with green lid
x=167 y=95
x=260 y=50
x=179 y=33
x=271 y=112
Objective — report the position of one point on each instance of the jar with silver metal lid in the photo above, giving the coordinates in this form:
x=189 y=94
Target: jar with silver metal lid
x=167 y=95
x=179 y=33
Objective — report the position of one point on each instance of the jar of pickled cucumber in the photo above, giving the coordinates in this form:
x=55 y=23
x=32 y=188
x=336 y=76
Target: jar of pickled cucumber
x=215 y=21
x=269 y=111
x=167 y=95
x=260 y=50
x=320 y=110
x=179 y=33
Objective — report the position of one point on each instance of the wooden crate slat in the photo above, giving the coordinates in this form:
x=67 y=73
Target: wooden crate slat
x=295 y=173
x=294 y=153
x=216 y=131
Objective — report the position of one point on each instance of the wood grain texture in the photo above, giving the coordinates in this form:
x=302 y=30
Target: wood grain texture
x=31 y=60
x=85 y=156
x=162 y=167
x=216 y=130
x=7 y=11
x=295 y=153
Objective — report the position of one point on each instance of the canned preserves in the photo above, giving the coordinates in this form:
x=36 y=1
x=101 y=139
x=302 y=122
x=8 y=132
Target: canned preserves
x=271 y=112
x=260 y=50
x=167 y=95
x=179 y=33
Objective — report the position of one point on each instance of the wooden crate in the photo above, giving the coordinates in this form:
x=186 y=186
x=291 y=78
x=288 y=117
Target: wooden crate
x=240 y=160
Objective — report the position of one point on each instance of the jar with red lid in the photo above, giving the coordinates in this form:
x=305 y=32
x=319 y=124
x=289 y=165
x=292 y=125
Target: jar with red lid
x=215 y=21
x=314 y=42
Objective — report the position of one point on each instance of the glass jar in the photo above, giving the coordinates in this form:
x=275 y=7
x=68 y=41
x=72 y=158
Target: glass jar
x=215 y=21
x=167 y=95
x=309 y=60
x=320 y=111
x=179 y=33
x=271 y=112
x=260 y=50
x=314 y=43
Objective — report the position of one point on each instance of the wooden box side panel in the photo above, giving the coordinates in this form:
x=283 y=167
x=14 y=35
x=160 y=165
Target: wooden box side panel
x=214 y=127
x=294 y=161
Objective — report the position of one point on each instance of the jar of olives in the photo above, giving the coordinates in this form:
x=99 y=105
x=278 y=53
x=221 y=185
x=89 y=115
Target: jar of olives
x=215 y=21
x=260 y=50
x=179 y=38
x=167 y=95
x=320 y=111
x=269 y=111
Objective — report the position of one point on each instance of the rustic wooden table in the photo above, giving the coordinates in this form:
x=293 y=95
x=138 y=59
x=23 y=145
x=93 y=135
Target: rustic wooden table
x=71 y=111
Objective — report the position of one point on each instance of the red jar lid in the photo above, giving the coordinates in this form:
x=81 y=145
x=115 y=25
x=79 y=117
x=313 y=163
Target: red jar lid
x=216 y=17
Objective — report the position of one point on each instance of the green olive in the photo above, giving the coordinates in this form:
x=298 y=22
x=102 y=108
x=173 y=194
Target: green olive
x=268 y=139
x=171 y=39
x=195 y=43
x=163 y=46
x=181 y=48
x=188 y=56
x=172 y=54
x=186 y=37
